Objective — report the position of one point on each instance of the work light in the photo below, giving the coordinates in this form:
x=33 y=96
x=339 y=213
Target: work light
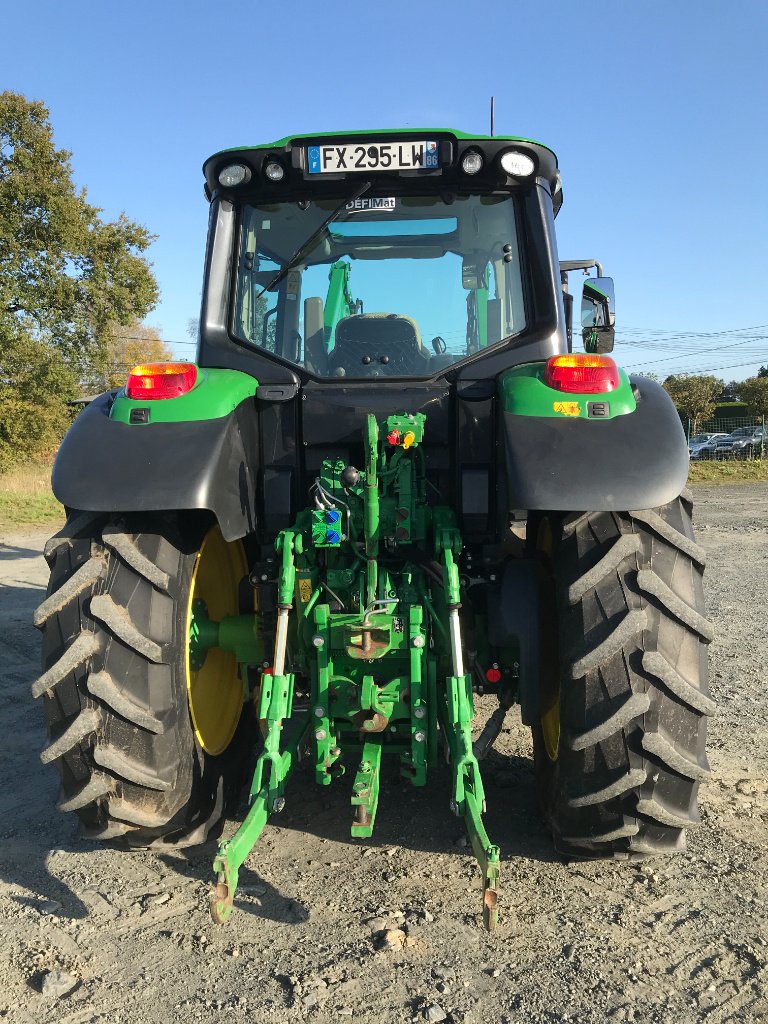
x=274 y=170
x=472 y=162
x=234 y=174
x=518 y=164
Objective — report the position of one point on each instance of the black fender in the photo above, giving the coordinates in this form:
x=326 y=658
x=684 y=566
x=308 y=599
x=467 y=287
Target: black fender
x=107 y=466
x=635 y=461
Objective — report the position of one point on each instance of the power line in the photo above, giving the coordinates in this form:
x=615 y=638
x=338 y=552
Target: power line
x=688 y=355
x=715 y=369
x=703 y=334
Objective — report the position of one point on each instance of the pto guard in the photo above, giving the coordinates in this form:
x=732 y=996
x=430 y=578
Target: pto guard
x=561 y=458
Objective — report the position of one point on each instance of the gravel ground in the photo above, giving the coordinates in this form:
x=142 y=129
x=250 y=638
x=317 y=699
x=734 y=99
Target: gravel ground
x=90 y=933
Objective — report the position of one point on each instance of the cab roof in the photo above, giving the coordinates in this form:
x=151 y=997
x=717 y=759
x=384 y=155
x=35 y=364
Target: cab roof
x=291 y=152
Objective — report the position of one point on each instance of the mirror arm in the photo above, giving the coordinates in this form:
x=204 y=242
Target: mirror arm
x=585 y=265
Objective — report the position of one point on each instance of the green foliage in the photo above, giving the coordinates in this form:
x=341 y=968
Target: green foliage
x=35 y=385
x=754 y=391
x=66 y=276
x=695 y=396
x=763 y=371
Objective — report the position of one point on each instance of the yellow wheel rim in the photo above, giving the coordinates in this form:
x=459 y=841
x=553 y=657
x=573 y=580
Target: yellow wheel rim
x=214 y=689
x=550 y=679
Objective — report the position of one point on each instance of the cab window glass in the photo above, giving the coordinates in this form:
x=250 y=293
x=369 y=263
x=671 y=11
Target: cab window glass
x=392 y=287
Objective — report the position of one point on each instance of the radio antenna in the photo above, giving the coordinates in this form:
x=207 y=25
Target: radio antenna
x=492 y=105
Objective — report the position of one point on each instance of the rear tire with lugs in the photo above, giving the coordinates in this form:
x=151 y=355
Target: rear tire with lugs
x=114 y=686
x=620 y=746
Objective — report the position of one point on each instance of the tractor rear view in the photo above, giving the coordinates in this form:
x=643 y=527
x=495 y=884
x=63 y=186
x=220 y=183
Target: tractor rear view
x=387 y=482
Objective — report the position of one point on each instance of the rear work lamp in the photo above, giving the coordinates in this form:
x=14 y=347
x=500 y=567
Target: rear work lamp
x=518 y=164
x=582 y=374
x=160 y=380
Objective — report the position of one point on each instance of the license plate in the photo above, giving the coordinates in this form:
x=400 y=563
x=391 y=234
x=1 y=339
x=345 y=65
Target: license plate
x=372 y=156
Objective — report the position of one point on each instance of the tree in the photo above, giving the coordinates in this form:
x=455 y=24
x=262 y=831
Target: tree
x=754 y=391
x=763 y=371
x=65 y=273
x=66 y=277
x=35 y=385
x=127 y=346
x=695 y=396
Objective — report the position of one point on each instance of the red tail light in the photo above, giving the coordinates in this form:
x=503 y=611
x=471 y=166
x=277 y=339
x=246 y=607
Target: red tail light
x=160 y=380
x=582 y=374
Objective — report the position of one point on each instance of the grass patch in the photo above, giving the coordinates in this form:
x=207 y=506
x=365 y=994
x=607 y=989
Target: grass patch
x=26 y=499
x=729 y=472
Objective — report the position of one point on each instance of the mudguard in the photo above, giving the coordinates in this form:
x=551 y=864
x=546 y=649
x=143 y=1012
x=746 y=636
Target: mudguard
x=108 y=465
x=560 y=456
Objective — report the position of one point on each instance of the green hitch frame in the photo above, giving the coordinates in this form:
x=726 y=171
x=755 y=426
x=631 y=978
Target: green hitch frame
x=385 y=677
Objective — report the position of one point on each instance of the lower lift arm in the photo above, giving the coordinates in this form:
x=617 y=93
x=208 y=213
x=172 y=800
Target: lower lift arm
x=274 y=765
x=456 y=711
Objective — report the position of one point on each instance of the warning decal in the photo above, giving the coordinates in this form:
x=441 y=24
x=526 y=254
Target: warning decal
x=567 y=408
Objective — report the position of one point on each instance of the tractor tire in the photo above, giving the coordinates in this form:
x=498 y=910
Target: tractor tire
x=619 y=749
x=115 y=625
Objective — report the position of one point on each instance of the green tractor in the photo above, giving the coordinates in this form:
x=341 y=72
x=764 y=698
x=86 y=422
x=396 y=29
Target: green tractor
x=386 y=483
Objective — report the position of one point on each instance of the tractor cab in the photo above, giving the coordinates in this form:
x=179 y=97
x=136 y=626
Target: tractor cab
x=342 y=267
x=401 y=255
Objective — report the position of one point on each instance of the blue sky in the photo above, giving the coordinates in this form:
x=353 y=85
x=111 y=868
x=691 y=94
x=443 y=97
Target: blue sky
x=657 y=112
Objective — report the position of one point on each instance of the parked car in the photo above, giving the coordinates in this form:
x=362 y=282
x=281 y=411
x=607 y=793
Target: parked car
x=702 y=446
x=742 y=443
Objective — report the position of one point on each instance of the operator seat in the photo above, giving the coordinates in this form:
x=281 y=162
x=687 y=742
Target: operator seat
x=378 y=345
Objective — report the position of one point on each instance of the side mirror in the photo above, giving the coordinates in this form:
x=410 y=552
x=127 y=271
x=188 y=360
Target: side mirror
x=597 y=314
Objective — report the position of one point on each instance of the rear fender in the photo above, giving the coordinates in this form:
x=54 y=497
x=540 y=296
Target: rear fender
x=200 y=454
x=611 y=452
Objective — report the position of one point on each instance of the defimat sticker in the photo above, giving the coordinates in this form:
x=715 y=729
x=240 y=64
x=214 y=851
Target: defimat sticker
x=567 y=408
x=366 y=205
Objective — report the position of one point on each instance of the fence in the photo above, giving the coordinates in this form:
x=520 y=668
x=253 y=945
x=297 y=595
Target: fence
x=735 y=437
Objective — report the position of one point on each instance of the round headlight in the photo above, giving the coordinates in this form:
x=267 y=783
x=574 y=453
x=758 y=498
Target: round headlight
x=234 y=174
x=274 y=170
x=518 y=164
x=472 y=162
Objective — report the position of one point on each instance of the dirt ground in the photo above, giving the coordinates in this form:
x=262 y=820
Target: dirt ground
x=683 y=940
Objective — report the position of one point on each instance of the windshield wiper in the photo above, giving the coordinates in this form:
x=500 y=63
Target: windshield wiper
x=307 y=245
